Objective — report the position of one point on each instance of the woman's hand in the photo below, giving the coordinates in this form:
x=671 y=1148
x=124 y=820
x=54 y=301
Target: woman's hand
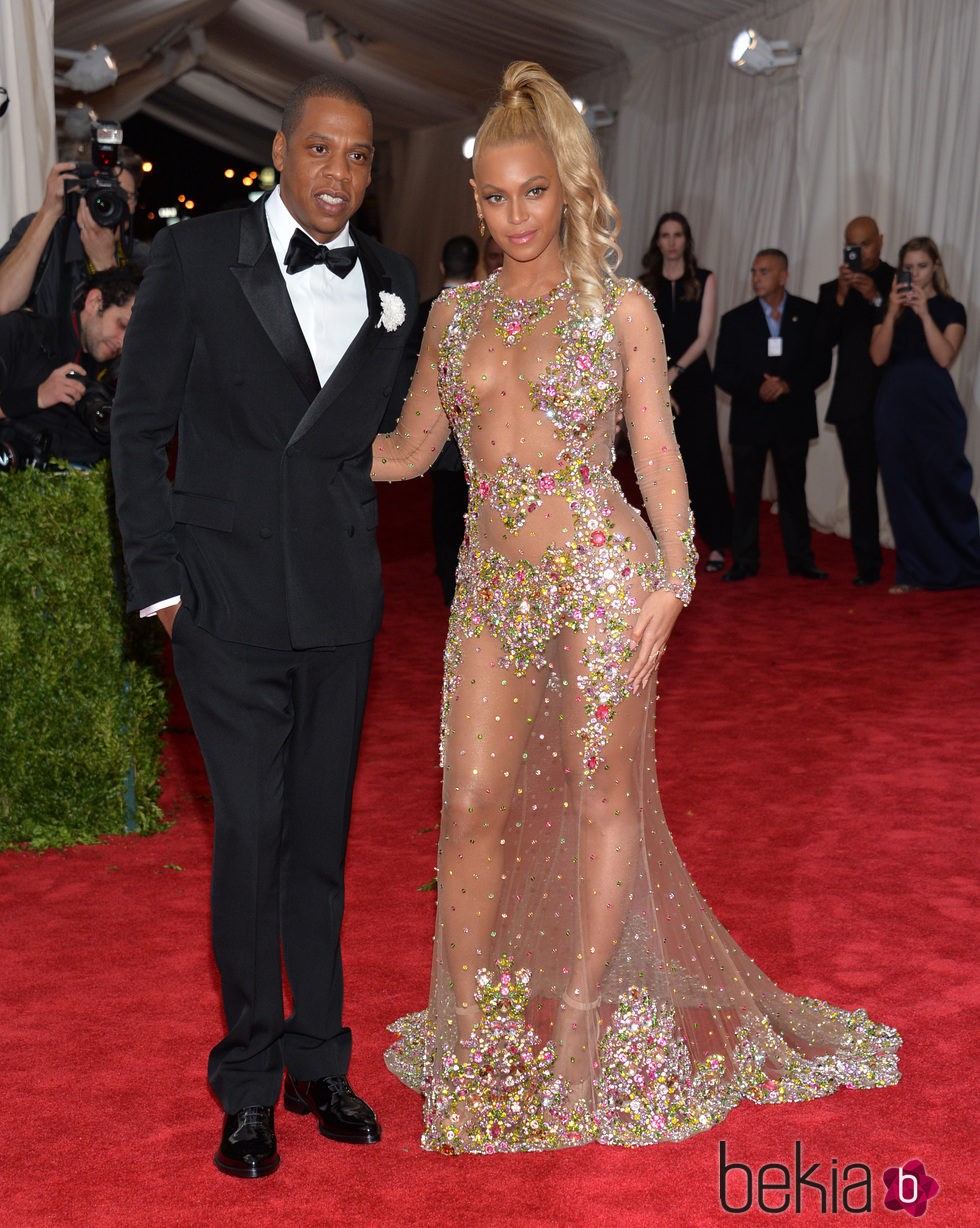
x=914 y=298
x=653 y=626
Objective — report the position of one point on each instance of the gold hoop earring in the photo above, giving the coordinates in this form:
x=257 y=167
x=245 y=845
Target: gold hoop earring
x=483 y=225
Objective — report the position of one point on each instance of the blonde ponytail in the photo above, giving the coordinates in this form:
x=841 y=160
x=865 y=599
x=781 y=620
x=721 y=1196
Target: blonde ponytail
x=532 y=105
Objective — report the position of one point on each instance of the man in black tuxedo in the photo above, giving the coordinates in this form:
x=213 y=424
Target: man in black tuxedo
x=848 y=308
x=769 y=362
x=272 y=340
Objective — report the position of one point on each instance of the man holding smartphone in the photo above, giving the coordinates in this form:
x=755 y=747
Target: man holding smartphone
x=849 y=307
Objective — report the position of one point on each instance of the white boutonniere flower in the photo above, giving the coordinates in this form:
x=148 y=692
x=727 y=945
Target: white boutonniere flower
x=392 y=311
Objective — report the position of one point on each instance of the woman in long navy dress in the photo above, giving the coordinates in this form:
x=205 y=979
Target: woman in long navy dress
x=920 y=426
x=686 y=301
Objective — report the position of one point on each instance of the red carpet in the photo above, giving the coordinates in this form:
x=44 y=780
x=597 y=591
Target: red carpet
x=819 y=760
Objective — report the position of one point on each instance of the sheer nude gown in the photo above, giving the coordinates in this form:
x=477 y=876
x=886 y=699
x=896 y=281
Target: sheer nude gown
x=581 y=988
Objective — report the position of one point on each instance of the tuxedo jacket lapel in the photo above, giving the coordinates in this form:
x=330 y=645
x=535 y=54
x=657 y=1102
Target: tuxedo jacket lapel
x=264 y=287
x=359 y=350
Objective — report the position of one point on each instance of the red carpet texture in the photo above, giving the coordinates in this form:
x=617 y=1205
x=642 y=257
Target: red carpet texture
x=819 y=762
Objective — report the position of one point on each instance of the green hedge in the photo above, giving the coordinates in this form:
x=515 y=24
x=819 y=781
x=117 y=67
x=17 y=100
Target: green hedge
x=82 y=701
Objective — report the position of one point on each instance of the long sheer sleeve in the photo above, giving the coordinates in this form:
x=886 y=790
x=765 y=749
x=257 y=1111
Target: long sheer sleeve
x=422 y=430
x=656 y=457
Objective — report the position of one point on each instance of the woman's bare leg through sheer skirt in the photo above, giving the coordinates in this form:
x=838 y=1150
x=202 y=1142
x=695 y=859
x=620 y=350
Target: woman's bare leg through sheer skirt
x=574 y=959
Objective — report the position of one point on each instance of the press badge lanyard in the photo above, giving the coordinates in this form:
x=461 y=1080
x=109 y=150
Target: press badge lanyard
x=775 y=344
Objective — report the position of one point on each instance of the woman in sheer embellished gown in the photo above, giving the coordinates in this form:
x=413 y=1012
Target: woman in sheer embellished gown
x=581 y=988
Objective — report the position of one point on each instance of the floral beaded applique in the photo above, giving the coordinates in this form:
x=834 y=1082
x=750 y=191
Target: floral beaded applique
x=525 y=605
x=589 y=579
x=501 y=1092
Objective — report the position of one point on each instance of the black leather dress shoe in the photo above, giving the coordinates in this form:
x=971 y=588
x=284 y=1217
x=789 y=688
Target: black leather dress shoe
x=248 y=1143
x=866 y=578
x=809 y=573
x=739 y=572
x=343 y=1116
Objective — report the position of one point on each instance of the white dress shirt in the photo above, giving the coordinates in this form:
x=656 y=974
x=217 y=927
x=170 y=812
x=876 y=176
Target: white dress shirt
x=330 y=309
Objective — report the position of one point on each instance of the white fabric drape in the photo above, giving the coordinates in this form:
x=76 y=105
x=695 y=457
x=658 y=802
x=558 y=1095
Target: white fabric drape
x=890 y=123
x=881 y=116
x=27 y=143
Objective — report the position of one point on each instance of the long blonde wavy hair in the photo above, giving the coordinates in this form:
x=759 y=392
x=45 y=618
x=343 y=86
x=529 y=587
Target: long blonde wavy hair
x=923 y=243
x=531 y=106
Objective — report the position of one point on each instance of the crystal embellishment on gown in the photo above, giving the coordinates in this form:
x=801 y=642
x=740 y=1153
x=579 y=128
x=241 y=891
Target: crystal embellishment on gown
x=513 y=317
x=502 y=1094
x=582 y=990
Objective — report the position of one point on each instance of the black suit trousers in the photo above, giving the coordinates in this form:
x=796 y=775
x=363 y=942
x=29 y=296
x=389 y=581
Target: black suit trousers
x=450 y=499
x=749 y=466
x=857 y=442
x=279 y=731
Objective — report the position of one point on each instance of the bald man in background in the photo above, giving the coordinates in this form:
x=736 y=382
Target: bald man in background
x=848 y=310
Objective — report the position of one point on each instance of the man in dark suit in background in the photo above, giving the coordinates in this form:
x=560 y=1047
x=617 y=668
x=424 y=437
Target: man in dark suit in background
x=848 y=308
x=769 y=362
x=273 y=340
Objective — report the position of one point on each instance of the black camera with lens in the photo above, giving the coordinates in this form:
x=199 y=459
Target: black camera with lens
x=97 y=182
x=94 y=408
x=21 y=447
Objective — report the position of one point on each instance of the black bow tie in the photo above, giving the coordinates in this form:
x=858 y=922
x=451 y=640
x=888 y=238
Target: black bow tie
x=303 y=253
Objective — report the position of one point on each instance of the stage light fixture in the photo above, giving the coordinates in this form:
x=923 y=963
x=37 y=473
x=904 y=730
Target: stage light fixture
x=753 y=54
x=91 y=70
x=598 y=115
x=595 y=114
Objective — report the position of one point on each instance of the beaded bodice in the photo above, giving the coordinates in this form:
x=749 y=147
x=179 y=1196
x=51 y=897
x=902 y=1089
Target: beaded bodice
x=563 y=442
x=533 y=390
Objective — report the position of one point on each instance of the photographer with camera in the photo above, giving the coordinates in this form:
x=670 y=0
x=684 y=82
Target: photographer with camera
x=849 y=307
x=56 y=388
x=84 y=226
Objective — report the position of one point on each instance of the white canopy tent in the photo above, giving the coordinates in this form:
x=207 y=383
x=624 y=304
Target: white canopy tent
x=27 y=128
x=881 y=115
